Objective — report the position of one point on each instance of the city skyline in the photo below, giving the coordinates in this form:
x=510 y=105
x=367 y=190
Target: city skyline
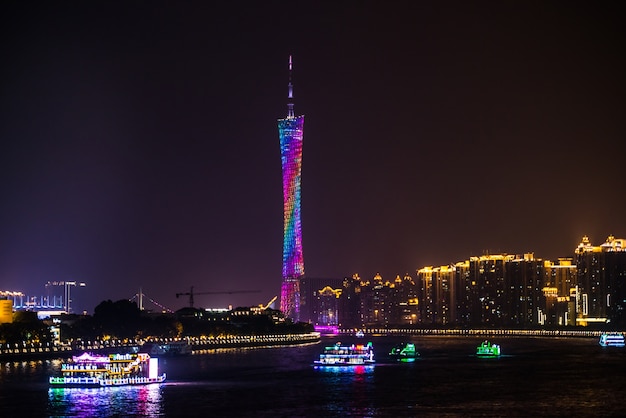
x=140 y=141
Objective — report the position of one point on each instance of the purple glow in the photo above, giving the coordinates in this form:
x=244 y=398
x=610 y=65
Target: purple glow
x=86 y=357
x=327 y=329
x=291 y=132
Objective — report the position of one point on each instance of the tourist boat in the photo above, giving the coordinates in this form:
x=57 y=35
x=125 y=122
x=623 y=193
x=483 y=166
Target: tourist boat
x=612 y=339
x=488 y=350
x=343 y=355
x=359 y=334
x=89 y=370
x=405 y=352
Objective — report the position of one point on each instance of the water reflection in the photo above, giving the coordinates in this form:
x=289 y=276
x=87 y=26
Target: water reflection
x=117 y=401
x=22 y=371
x=360 y=369
x=349 y=390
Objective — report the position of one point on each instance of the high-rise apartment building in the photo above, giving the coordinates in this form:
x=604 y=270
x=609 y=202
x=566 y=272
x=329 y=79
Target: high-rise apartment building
x=290 y=132
x=488 y=274
x=350 y=315
x=311 y=300
x=405 y=299
x=601 y=281
x=437 y=294
x=465 y=291
x=523 y=291
x=560 y=289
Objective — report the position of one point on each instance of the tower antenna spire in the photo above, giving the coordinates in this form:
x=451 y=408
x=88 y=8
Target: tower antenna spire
x=290 y=113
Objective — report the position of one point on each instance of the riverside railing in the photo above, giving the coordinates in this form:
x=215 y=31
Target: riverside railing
x=28 y=350
x=476 y=332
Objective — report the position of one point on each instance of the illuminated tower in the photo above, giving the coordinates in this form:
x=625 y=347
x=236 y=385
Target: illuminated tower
x=290 y=131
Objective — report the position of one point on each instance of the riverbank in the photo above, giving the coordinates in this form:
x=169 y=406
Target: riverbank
x=477 y=332
x=201 y=344
x=197 y=344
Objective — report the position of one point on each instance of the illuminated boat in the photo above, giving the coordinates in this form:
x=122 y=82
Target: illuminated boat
x=488 y=350
x=343 y=355
x=405 y=352
x=359 y=334
x=613 y=339
x=88 y=370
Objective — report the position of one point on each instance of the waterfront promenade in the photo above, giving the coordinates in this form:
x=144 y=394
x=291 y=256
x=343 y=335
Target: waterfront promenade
x=476 y=332
x=201 y=344
x=37 y=351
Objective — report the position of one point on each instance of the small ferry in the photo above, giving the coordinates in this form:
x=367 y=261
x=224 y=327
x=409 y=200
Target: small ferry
x=89 y=370
x=405 y=352
x=343 y=355
x=488 y=350
x=612 y=339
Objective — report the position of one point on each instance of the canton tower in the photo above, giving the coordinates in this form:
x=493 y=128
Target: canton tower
x=290 y=131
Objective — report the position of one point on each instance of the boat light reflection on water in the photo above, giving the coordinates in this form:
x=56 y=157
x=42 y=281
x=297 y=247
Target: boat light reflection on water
x=355 y=369
x=144 y=400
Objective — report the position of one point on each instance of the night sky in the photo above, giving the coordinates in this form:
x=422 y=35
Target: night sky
x=140 y=145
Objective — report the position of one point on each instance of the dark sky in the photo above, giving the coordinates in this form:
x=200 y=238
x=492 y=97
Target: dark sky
x=140 y=145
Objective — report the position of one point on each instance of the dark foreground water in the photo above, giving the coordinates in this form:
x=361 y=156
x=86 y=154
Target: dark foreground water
x=535 y=377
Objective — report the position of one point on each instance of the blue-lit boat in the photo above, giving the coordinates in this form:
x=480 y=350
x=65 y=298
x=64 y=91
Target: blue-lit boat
x=488 y=350
x=343 y=355
x=89 y=370
x=612 y=339
x=405 y=352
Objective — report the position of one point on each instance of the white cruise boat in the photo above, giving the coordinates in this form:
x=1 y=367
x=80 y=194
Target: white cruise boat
x=612 y=339
x=342 y=355
x=89 y=370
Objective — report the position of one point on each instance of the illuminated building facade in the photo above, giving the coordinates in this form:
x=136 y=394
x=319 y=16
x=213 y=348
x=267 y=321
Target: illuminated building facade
x=436 y=294
x=427 y=302
x=496 y=290
x=601 y=295
x=404 y=310
x=378 y=302
x=6 y=311
x=327 y=306
x=374 y=299
x=560 y=292
x=350 y=303
x=311 y=301
x=524 y=281
x=488 y=272
x=290 y=132
x=561 y=275
x=464 y=291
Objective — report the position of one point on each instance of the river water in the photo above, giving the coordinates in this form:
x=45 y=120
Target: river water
x=534 y=377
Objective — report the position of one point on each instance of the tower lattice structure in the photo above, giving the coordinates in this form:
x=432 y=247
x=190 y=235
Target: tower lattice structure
x=290 y=131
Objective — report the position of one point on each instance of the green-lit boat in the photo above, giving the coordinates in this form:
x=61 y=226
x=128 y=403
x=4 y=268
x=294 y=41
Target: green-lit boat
x=488 y=350
x=404 y=352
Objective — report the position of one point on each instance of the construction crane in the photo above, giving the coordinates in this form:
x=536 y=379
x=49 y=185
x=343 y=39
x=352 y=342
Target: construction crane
x=191 y=293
